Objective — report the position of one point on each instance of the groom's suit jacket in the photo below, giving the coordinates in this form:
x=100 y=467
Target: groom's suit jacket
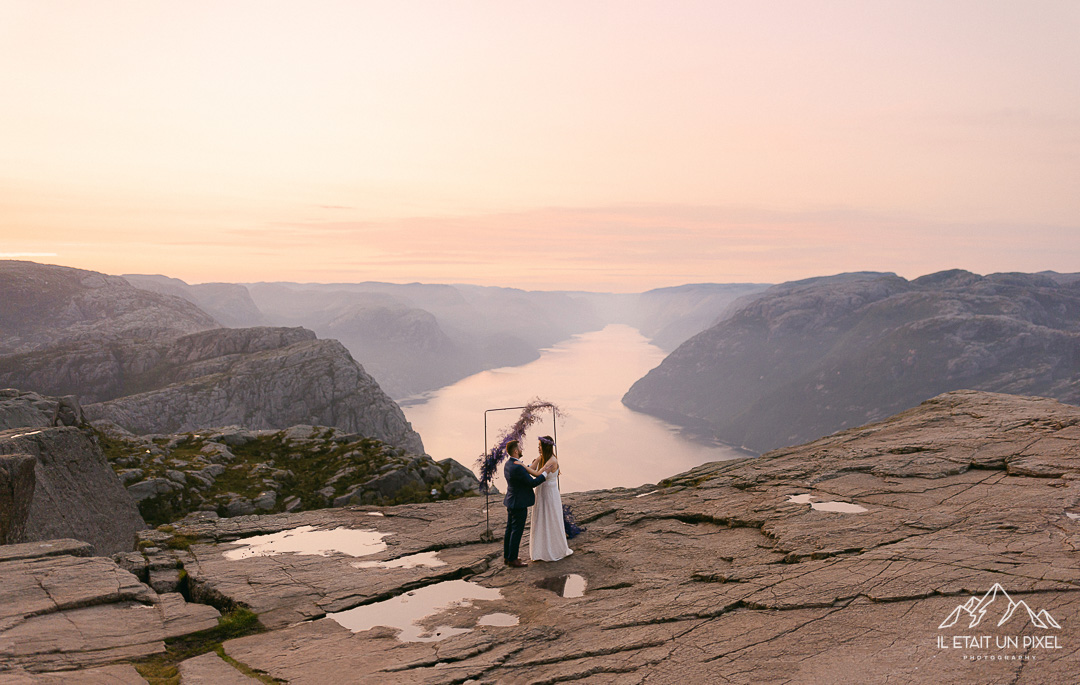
x=519 y=485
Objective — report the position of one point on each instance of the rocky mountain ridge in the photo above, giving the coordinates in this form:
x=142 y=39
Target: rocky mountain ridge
x=131 y=360
x=44 y=306
x=808 y=358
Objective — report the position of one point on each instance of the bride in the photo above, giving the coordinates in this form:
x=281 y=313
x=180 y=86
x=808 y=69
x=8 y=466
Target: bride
x=547 y=537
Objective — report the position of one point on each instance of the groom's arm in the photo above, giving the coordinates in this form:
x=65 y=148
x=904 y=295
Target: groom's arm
x=522 y=477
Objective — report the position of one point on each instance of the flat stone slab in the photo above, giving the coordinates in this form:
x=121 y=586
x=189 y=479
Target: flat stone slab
x=210 y=669
x=64 y=612
x=46 y=548
x=119 y=674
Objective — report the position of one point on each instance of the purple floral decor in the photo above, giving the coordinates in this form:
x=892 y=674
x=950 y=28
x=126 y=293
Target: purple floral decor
x=488 y=463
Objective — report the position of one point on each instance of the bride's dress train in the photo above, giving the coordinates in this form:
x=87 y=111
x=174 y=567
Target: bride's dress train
x=547 y=536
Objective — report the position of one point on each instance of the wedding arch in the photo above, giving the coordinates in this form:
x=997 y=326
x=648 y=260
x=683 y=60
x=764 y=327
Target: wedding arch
x=489 y=460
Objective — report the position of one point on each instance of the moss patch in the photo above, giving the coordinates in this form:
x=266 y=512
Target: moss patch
x=161 y=669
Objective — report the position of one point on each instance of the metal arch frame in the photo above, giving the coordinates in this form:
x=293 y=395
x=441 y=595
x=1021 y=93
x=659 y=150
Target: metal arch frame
x=487 y=535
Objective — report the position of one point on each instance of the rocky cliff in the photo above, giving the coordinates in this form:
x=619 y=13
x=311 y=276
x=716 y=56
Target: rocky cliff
x=74 y=494
x=838 y=561
x=44 y=305
x=131 y=355
x=812 y=357
x=256 y=378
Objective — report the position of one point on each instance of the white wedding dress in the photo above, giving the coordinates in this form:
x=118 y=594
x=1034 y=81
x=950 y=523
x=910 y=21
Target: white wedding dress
x=547 y=537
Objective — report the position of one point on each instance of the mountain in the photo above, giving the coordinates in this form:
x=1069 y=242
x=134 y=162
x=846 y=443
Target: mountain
x=154 y=363
x=671 y=316
x=811 y=357
x=229 y=303
x=418 y=337
x=44 y=305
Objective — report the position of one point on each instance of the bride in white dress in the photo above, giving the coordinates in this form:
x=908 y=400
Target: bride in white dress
x=547 y=536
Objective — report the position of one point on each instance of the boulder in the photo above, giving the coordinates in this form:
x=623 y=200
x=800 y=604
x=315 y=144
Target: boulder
x=16 y=495
x=152 y=487
x=77 y=494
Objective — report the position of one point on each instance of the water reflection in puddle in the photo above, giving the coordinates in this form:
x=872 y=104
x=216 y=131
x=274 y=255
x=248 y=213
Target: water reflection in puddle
x=309 y=540
x=569 y=585
x=647 y=493
x=405 y=612
x=1074 y=517
x=501 y=620
x=430 y=559
x=841 y=507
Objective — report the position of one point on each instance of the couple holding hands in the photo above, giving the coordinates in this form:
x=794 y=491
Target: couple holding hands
x=547 y=537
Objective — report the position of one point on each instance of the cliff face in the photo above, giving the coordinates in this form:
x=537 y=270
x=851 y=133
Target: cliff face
x=813 y=357
x=253 y=377
x=75 y=493
x=45 y=305
x=152 y=362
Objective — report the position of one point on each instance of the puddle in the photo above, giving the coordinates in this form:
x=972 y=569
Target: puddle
x=1074 y=517
x=646 y=493
x=569 y=585
x=307 y=540
x=841 y=507
x=501 y=620
x=405 y=612
x=375 y=513
x=430 y=559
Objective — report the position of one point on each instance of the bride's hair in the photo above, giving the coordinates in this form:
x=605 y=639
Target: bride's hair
x=547 y=449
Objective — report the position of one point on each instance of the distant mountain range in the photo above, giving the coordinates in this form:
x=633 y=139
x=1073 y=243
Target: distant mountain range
x=156 y=355
x=418 y=337
x=808 y=358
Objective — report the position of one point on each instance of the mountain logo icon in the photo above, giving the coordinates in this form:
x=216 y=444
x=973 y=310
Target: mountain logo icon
x=976 y=608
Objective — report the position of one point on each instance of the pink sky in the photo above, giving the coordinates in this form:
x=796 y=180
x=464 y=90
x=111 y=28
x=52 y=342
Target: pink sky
x=589 y=145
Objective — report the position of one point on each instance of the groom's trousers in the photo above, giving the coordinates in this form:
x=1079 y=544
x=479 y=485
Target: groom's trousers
x=515 y=527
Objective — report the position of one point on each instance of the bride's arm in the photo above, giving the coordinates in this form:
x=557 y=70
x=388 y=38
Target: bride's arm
x=532 y=470
x=552 y=465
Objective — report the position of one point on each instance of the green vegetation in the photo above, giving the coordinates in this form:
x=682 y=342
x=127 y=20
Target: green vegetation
x=161 y=669
x=214 y=475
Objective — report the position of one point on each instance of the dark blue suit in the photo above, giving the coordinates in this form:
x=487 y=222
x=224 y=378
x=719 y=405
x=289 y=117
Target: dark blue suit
x=519 y=497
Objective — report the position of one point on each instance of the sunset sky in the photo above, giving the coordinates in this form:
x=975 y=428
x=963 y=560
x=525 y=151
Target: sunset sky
x=617 y=145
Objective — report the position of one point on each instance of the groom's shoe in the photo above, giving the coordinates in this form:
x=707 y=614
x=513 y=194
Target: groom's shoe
x=517 y=563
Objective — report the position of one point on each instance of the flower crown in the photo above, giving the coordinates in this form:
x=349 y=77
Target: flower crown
x=547 y=441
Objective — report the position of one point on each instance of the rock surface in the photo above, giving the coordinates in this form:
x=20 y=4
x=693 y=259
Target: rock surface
x=16 y=494
x=65 y=612
x=812 y=357
x=76 y=494
x=260 y=378
x=714 y=575
x=19 y=409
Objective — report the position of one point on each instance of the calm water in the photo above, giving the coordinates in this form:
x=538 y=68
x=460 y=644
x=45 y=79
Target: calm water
x=601 y=443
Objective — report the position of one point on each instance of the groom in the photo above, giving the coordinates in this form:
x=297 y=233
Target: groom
x=519 y=497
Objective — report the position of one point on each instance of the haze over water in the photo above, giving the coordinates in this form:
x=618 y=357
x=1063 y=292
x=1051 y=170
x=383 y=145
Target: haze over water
x=602 y=444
